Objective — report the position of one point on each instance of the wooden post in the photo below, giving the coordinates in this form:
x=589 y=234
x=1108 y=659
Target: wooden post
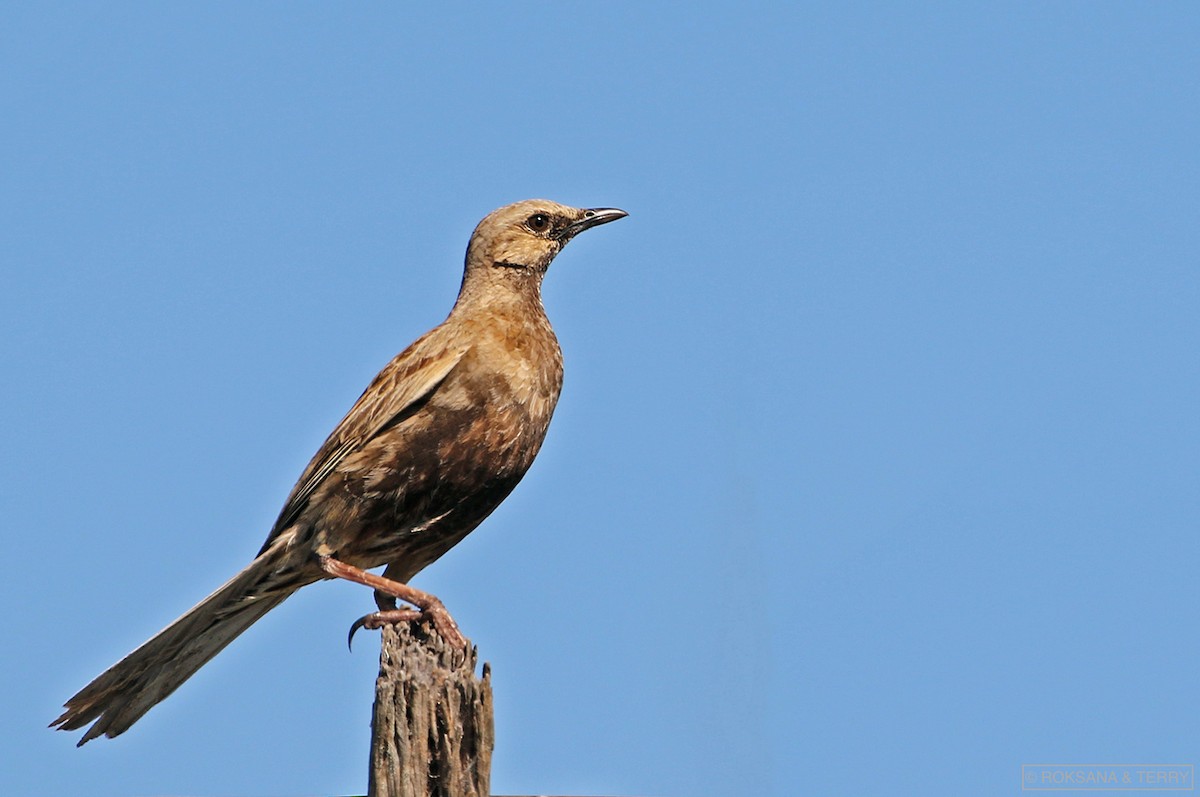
x=432 y=729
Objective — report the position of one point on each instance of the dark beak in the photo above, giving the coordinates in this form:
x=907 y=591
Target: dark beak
x=592 y=217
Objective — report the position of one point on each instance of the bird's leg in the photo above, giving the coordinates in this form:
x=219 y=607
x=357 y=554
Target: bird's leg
x=384 y=601
x=428 y=606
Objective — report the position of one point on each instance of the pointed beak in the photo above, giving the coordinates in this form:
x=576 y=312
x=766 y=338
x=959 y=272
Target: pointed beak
x=592 y=217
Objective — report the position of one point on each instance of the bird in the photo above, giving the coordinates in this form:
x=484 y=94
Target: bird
x=433 y=445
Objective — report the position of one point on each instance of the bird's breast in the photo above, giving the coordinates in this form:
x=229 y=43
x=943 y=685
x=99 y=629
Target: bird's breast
x=430 y=479
x=478 y=432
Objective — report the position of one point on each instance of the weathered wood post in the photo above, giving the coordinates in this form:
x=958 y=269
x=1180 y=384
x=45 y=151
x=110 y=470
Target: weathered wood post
x=432 y=729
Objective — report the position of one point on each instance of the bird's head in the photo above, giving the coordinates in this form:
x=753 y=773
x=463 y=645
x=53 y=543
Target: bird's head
x=527 y=235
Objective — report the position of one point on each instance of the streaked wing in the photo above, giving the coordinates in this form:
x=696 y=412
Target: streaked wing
x=410 y=378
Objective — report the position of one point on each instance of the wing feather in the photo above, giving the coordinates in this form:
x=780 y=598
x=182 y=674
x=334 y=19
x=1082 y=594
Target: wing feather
x=409 y=379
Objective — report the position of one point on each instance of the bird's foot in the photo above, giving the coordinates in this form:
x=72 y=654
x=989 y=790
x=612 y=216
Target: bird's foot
x=429 y=607
x=441 y=619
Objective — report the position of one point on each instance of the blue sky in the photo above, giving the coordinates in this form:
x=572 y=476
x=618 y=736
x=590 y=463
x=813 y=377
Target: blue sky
x=876 y=467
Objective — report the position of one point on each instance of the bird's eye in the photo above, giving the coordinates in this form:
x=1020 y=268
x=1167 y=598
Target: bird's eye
x=538 y=222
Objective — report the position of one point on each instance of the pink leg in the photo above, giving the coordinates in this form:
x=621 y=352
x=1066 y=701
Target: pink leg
x=429 y=606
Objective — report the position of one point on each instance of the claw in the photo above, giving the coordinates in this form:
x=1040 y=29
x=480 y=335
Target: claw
x=380 y=619
x=357 y=624
x=428 y=605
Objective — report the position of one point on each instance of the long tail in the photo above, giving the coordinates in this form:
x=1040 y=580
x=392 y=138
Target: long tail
x=131 y=687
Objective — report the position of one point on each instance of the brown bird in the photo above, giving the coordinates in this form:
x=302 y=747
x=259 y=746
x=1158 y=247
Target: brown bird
x=434 y=444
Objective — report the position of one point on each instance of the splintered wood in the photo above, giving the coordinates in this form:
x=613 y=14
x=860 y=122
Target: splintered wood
x=432 y=729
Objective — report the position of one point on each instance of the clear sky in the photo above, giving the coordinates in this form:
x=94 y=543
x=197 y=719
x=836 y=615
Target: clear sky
x=876 y=469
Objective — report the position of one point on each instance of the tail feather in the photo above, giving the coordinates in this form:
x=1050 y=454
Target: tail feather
x=124 y=692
